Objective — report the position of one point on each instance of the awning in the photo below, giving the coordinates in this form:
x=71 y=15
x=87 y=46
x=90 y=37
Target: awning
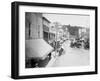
x=37 y=48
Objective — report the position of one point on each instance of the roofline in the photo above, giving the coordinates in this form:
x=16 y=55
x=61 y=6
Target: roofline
x=46 y=19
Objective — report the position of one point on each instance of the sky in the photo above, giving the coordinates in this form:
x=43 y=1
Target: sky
x=72 y=19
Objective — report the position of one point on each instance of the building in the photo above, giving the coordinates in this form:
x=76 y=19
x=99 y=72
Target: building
x=66 y=33
x=60 y=34
x=37 y=50
x=52 y=33
x=33 y=25
x=72 y=31
x=84 y=33
x=57 y=30
x=46 y=26
x=78 y=32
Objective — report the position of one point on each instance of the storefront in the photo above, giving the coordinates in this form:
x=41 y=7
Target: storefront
x=38 y=53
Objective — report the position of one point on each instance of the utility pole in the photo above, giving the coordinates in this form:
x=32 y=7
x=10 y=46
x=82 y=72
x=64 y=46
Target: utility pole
x=56 y=27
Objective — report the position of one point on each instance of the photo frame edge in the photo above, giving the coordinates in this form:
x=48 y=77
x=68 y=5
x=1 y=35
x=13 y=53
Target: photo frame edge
x=15 y=42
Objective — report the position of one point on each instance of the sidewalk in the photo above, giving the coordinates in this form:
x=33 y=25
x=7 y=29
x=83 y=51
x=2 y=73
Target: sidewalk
x=52 y=61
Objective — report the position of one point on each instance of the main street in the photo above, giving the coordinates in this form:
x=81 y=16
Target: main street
x=72 y=56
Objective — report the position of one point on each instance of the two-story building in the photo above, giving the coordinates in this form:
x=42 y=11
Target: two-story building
x=33 y=26
x=37 y=50
x=46 y=26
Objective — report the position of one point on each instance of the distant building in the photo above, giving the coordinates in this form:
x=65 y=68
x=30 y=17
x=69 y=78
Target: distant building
x=73 y=31
x=84 y=32
x=60 y=34
x=65 y=32
x=56 y=31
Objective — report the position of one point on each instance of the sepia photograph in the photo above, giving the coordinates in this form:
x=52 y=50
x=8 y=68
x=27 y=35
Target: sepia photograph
x=56 y=40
